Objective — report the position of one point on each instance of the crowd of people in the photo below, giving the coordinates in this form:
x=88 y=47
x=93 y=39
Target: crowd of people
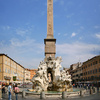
x=11 y=89
x=85 y=85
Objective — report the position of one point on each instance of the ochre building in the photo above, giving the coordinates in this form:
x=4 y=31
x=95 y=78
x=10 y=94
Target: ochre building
x=32 y=72
x=10 y=70
x=91 y=70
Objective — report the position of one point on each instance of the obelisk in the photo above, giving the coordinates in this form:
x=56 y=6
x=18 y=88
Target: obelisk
x=50 y=48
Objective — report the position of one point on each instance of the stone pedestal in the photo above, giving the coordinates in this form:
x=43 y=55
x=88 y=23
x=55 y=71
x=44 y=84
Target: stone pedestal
x=23 y=94
x=64 y=95
x=81 y=93
x=95 y=90
x=42 y=95
x=86 y=87
x=91 y=91
x=99 y=89
x=50 y=47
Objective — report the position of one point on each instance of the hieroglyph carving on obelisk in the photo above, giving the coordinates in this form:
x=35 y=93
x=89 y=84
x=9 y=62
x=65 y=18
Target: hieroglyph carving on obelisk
x=50 y=19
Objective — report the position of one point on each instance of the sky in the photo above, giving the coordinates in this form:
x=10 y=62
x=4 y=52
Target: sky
x=23 y=28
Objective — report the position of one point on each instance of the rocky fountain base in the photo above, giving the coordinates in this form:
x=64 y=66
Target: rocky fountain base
x=49 y=77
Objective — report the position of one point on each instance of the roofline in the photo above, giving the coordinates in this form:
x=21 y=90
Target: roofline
x=11 y=59
x=91 y=59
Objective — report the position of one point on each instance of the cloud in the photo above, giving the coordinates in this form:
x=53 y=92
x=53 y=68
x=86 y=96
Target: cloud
x=97 y=35
x=6 y=27
x=65 y=34
x=70 y=15
x=43 y=13
x=96 y=27
x=29 y=53
x=60 y=1
x=59 y=33
x=26 y=52
x=55 y=1
x=22 y=32
x=76 y=24
x=73 y=34
x=74 y=52
x=81 y=27
x=19 y=43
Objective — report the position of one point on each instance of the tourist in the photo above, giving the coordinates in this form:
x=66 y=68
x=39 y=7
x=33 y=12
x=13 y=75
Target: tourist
x=16 y=91
x=9 y=91
x=3 y=89
x=14 y=88
x=0 y=90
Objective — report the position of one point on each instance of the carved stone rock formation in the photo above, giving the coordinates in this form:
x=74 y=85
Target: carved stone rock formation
x=49 y=77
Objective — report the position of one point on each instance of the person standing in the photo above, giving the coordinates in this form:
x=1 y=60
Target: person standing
x=16 y=91
x=0 y=90
x=9 y=91
x=3 y=89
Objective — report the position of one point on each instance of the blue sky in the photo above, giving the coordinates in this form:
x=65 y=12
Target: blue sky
x=23 y=27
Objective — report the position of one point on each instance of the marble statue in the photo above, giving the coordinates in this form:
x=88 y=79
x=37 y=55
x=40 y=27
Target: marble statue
x=49 y=77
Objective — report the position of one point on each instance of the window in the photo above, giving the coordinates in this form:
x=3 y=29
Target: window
x=6 y=70
x=88 y=72
x=93 y=71
x=9 y=71
x=93 y=63
x=99 y=69
x=6 y=62
x=0 y=69
x=96 y=70
x=96 y=62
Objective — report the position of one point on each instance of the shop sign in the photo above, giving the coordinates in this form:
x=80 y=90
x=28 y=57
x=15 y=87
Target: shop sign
x=7 y=78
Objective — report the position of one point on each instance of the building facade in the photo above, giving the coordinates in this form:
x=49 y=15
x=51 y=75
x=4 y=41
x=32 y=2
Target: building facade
x=76 y=72
x=27 y=76
x=10 y=70
x=91 y=70
x=32 y=72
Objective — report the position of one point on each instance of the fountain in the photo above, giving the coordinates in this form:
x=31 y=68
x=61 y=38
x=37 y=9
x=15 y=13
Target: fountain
x=49 y=77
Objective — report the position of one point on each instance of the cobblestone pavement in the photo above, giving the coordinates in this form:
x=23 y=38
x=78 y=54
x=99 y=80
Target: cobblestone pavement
x=37 y=97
